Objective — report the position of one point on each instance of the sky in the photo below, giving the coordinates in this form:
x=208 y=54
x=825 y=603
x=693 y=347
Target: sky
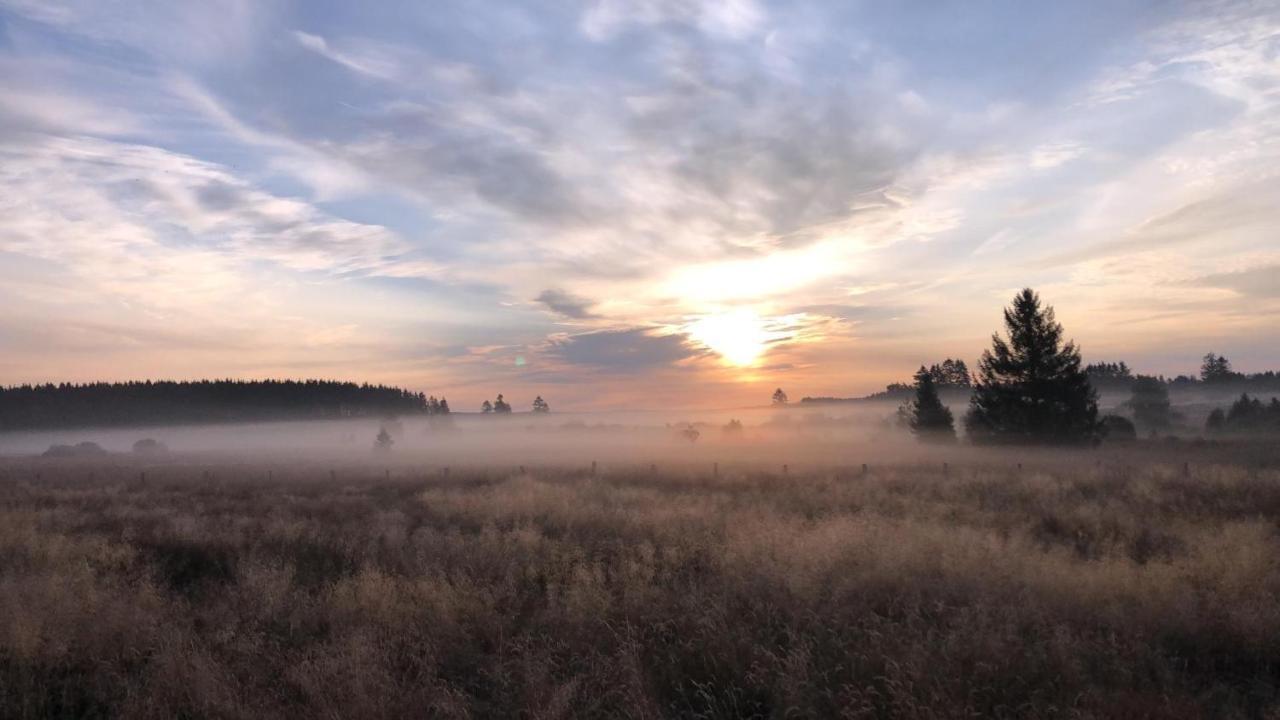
x=630 y=203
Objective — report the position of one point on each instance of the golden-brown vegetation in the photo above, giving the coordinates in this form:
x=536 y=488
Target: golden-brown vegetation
x=1065 y=589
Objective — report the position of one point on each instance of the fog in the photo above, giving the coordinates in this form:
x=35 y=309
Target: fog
x=836 y=433
x=797 y=435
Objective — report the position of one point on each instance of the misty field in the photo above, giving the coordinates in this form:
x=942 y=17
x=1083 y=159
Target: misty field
x=1079 y=585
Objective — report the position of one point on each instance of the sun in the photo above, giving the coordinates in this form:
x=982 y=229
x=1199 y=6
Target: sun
x=738 y=336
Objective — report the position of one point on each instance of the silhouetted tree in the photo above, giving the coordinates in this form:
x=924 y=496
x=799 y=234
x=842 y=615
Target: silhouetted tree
x=930 y=420
x=1215 y=368
x=1150 y=403
x=1216 y=422
x=444 y=406
x=950 y=373
x=486 y=407
x=691 y=434
x=779 y=397
x=732 y=428
x=1104 y=371
x=540 y=405
x=500 y=405
x=1031 y=388
x=1248 y=415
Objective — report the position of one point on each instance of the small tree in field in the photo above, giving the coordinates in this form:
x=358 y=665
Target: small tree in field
x=779 y=397
x=1150 y=403
x=1032 y=388
x=500 y=405
x=540 y=405
x=383 y=442
x=930 y=420
x=486 y=407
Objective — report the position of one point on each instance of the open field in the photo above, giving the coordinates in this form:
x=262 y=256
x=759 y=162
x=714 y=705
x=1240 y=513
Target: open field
x=1087 y=584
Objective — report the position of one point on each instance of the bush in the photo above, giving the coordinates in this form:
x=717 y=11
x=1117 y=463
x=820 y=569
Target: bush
x=1118 y=429
x=149 y=446
x=79 y=450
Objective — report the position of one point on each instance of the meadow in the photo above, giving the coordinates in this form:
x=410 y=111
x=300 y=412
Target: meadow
x=1139 y=582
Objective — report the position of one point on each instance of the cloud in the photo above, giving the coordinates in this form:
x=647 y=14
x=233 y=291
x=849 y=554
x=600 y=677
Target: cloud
x=629 y=350
x=214 y=32
x=92 y=204
x=1262 y=282
x=729 y=18
x=369 y=63
x=567 y=304
x=1054 y=154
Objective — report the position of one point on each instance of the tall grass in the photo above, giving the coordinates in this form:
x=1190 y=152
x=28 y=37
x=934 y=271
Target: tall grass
x=1064 y=590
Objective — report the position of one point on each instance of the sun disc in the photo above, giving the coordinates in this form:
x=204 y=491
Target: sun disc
x=739 y=336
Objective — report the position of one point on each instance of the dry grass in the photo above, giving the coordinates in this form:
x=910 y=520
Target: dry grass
x=1064 y=590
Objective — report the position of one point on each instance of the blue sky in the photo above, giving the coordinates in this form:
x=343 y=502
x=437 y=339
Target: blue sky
x=620 y=203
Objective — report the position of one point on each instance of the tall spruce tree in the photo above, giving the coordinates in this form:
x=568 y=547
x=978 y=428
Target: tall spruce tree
x=1032 y=389
x=930 y=420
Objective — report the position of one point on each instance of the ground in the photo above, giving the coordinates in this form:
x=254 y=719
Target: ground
x=1139 y=582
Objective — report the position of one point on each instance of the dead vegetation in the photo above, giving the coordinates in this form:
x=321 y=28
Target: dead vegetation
x=1065 y=589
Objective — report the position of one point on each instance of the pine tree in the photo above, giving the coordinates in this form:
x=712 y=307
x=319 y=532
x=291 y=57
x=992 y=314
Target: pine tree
x=779 y=397
x=1032 y=388
x=930 y=420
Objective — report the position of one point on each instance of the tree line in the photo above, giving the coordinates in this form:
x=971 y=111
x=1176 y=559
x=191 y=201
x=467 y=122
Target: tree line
x=1031 y=388
x=1215 y=372
x=160 y=402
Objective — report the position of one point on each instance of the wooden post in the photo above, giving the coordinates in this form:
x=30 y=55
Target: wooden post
x=446 y=472
x=864 y=468
x=593 y=468
x=387 y=474
x=715 y=469
x=946 y=471
x=653 y=469
x=785 y=470
x=522 y=470
x=1186 y=469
